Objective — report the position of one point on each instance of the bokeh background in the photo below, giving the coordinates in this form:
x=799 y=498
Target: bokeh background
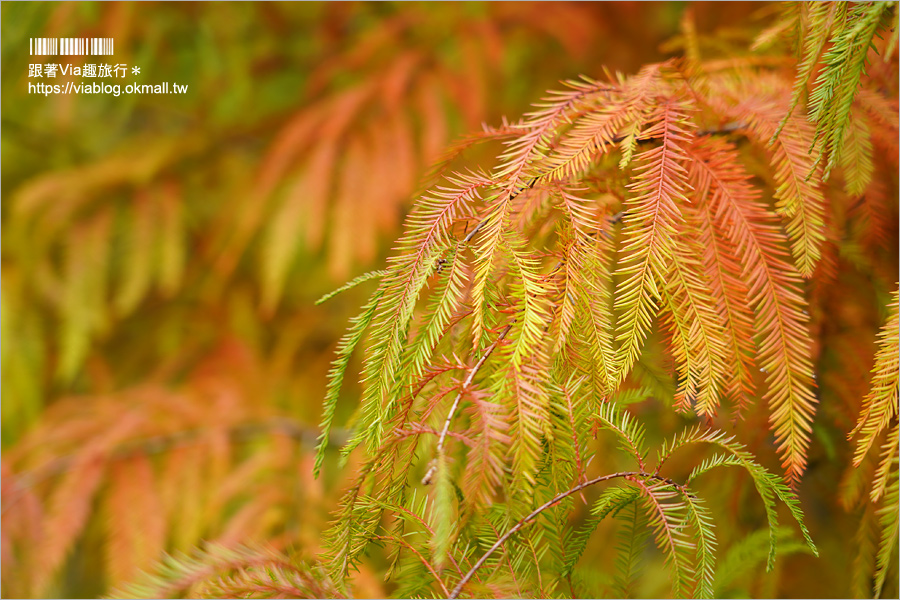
x=163 y=362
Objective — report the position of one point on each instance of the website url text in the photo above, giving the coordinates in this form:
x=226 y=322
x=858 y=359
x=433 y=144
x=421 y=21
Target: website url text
x=48 y=89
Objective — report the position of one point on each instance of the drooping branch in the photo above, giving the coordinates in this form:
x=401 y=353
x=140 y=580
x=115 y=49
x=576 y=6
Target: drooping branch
x=550 y=503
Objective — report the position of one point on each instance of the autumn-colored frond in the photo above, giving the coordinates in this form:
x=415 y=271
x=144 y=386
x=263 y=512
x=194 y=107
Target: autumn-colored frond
x=592 y=135
x=587 y=299
x=517 y=163
x=783 y=338
x=729 y=293
x=68 y=513
x=699 y=343
x=487 y=244
x=344 y=352
x=880 y=404
x=485 y=460
x=136 y=520
x=889 y=521
x=524 y=391
x=427 y=239
x=797 y=175
x=882 y=114
x=444 y=306
x=886 y=473
x=669 y=524
x=651 y=222
x=857 y=158
x=879 y=414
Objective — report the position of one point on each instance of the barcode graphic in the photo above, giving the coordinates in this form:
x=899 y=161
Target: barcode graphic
x=71 y=46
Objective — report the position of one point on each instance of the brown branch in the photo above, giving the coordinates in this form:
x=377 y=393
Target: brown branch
x=558 y=498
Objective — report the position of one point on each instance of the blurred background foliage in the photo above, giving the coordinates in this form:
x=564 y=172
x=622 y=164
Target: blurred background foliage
x=163 y=363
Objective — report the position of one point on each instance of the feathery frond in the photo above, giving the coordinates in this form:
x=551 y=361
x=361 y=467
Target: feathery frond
x=701 y=521
x=344 y=351
x=799 y=199
x=223 y=572
x=767 y=485
x=836 y=86
x=629 y=431
x=631 y=537
x=729 y=293
x=668 y=521
x=857 y=157
x=652 y=220
x=667 y=237
x=818 y=21
x=888 y=521
x=699 y=343
x=880 y=405
x=351 y=284
x=610 y=502
x=779 y=307
x=425 y=242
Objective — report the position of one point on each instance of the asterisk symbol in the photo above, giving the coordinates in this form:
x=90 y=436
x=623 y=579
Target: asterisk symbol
x=135 y=70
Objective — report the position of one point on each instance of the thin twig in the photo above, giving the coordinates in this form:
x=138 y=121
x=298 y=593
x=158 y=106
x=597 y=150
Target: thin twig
x=456 y=591
x=468 y=381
